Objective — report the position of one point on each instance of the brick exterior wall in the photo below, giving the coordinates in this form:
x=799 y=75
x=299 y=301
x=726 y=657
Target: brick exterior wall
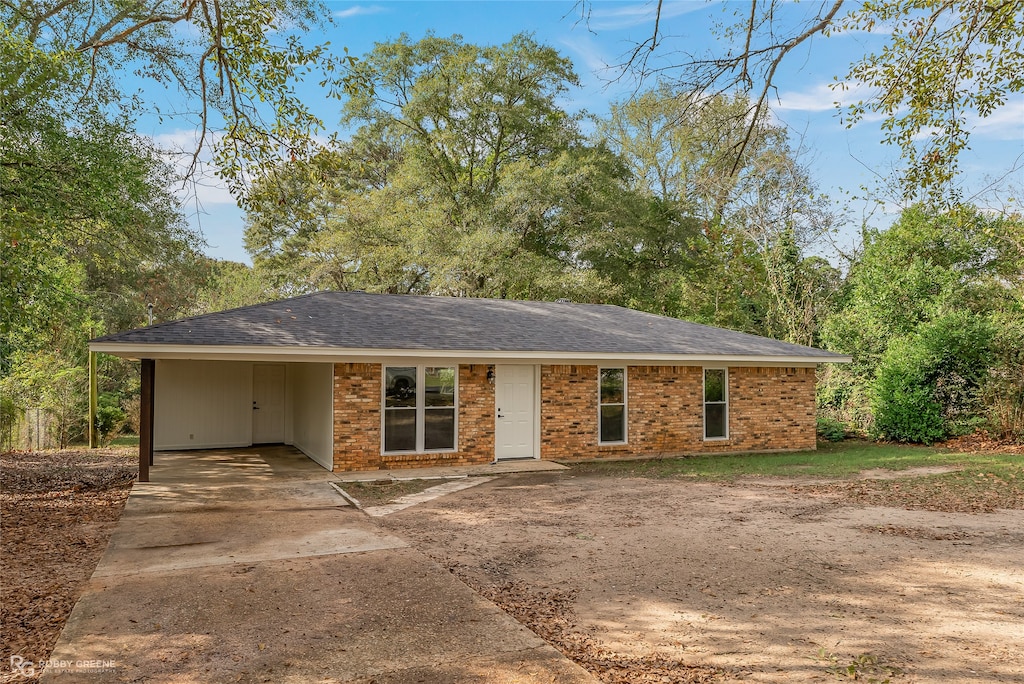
x=769 y=409
x=568 y=411
x=357 y=421
x=357 y=390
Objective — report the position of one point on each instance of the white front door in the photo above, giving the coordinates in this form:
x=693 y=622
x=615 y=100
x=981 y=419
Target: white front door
x=515 y=397
x=267 y=403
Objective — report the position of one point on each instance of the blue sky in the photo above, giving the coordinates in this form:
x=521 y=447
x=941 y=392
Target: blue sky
x=842 y=160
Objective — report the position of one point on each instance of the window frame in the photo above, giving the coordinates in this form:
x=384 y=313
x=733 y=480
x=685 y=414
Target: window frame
x=624 y=404
x=724 y=403
x=420 y=409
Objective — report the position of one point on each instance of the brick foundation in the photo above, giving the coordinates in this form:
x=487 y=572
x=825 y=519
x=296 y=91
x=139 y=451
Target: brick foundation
x=769 y=409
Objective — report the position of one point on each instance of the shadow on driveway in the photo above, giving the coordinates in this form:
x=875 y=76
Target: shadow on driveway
x=246 y=565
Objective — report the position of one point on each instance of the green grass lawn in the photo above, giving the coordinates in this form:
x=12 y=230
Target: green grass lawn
x=980 y=483
x=831 y=460
x=377 y=492
x=119 y=441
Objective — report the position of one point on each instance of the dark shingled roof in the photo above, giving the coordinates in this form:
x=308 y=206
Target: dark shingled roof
x=361 y=320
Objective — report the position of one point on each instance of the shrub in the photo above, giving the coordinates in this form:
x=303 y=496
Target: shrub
x=926 y=385
x=110 y=417
x=831 y=430
x=904 y=405
x=1003 y=388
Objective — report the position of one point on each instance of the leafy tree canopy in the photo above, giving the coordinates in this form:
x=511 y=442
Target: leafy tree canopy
x=939 y=62
x=722 y=245
x=465 y=177
x=235 y=61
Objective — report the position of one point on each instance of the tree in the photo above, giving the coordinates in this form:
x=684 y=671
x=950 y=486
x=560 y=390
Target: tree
x=465 y=177
x=735 y=238
x=235 y=61
x=231 y=285
x=940 y=61
x=86 y=211
x=903 y=302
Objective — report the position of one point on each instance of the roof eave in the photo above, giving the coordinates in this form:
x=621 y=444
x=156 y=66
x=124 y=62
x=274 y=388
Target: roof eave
x=334 y=354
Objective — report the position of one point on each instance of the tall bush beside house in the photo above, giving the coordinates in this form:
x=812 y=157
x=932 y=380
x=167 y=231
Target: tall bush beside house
x=927 y=385
x=1003 y=388
x=902 y=398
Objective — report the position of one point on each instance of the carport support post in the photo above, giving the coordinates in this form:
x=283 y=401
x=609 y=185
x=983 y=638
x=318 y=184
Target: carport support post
x=94 y=438
x=146 y=419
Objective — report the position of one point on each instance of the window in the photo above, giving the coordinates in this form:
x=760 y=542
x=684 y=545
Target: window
x=612 y=405
x=716 y=409
x=419 y=408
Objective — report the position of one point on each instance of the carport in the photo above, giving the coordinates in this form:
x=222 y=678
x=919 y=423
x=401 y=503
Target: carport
x=228 y=403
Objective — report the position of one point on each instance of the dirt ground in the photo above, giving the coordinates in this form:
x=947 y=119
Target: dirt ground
x=638 y=580
x=58 y=509
x=663 y=580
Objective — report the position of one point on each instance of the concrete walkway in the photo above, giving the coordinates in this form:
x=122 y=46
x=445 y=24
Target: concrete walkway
x=246 y=565
x=526 y=465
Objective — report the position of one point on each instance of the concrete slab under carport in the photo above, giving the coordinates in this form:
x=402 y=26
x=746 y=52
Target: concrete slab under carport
x=250 y=571
x=267 y=463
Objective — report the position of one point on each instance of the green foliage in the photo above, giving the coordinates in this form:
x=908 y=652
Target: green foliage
x=909 y=283
x=465 y=178
x=831 y=429
x=904 y=407
x=927 y=383
x=714 y=240
x=231 y=285
x=48 y=381
x=9 y=416
x=941 y=64
x=941 y=60
x=236 y=62
x=1003 y=389
x=110 y=417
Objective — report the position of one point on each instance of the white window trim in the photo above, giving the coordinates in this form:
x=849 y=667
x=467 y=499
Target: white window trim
x=625 y=404
x=704 y=403
x=420 y=407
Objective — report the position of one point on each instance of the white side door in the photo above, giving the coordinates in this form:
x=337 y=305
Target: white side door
x=515 y=417
x=267 y=403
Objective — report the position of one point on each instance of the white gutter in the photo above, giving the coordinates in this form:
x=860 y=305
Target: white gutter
x=343 y=354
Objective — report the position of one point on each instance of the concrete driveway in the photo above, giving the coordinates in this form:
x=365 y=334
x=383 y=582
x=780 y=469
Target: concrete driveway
x=247 y=565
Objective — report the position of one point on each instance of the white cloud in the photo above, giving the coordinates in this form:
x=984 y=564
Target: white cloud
x=625 y=16
x=204 y=186
x=588 y=51
x=1006 y=123
x=359 y=10
x=820 y=97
